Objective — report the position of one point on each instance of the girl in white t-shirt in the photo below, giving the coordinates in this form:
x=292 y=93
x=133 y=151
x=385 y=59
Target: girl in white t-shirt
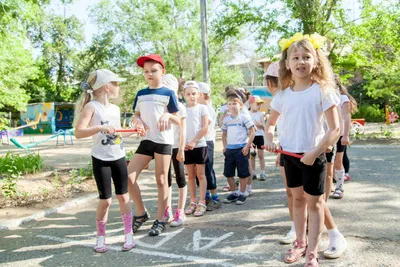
x=348 y=106
x=258 y=119
x=196 y=154
x=308 y=95
x=99 y=118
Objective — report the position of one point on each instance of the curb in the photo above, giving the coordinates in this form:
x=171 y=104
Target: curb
x=81 y=201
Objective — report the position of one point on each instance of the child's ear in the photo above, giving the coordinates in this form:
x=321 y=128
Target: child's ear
x=164 y=71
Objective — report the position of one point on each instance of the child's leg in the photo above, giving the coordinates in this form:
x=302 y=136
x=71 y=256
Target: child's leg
x=339 y=170
x=337 y=242
x=299 y=213
x=200 y=171
x=179 y=169
x=253 y=165
x=162 y=163
x=290 y=237
x=191 y=182
x=346 y=162
x=328 y=180
x=102 y=214
x=262 y=161
x=135 y=167
x=209 y=171
x=315 y=206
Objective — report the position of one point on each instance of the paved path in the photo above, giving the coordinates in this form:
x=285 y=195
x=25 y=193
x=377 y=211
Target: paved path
x=232 y=236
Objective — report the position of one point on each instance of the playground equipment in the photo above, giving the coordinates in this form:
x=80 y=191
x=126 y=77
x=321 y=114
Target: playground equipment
x=29 y=123
x=357 y=126
x=33 y=144
x=286 y=153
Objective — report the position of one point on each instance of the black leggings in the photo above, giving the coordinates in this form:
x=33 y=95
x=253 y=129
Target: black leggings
x=179 y=169
x=346 y=162
x=104 y=171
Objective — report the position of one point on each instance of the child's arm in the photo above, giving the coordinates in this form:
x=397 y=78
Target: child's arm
x=138 y=124
x=251 y=134
x=270 y=129
x=200 y=134
x=182 y=140
x=224 y=140
x=166 y=118
x=347 y=122
x=332 y=120
x=81 y=128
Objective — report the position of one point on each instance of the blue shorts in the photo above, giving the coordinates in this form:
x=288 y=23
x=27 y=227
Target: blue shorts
x=234 y=159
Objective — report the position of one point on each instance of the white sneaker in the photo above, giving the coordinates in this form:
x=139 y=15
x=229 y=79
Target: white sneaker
x=248 y=192
x=335 y=251
x=289 y=238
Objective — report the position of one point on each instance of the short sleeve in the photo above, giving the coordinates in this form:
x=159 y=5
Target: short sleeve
x=276 y=103
x=344 y=99
x=204 y=111
x=330 y=99
x=223 y=109
x=224 y=126
x=247 y=121
x=135 y=107
x=172 y=106
x=182 y=111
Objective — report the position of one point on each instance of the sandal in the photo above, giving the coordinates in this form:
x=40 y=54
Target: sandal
x=295 y=253
x=137 y=221
x=100 y=244
x=129 y=243
x=200 y=210
x=191 y=209
x=338 y=194
x=157 y=228
x=312 y=260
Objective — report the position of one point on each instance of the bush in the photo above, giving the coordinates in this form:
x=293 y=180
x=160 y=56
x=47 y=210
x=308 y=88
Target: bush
x=371 y=113
x=24 y=164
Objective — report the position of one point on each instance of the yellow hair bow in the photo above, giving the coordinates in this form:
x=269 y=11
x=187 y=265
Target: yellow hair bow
x=316 y=40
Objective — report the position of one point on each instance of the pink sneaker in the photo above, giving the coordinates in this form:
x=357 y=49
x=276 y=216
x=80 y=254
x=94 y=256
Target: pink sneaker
x=100 y=244
x=179 y=218
x=129 y=243
x=346 y=177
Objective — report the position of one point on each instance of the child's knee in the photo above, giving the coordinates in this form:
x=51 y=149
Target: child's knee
x=105 y=203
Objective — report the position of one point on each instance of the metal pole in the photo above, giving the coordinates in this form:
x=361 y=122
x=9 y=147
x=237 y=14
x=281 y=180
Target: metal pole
x=204 y=41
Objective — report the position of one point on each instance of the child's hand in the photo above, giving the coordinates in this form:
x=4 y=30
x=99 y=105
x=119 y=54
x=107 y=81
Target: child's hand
x=278 y=160
x=308 y=159
x=329 y=149
x=270 y=147
x=108 y=129
x=180 y=156
x=139 y=126
x=245 y=150
x=163 y=122
x=190 y=146
x=345 y=141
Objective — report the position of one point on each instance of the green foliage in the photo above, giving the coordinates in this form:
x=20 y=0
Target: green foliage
x=77 y=176
x=371 y=113
x=9 y=187
x=30 y=163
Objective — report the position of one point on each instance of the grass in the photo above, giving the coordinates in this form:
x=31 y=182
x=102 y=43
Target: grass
x=23 y=164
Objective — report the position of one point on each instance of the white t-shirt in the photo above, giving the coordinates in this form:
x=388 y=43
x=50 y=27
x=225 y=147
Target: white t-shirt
x=343 y=99
x=176 y=128
x=107 y=147
x=301 y=126
x=211 y=127
x=194 y=123
x=259 y=117
x=237 y=130
x=152 y=104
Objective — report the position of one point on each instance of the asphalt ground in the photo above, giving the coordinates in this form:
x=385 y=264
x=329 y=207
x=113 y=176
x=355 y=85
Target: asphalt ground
x=368 y=216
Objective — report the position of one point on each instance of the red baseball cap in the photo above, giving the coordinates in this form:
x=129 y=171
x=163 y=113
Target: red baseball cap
x=140 y=61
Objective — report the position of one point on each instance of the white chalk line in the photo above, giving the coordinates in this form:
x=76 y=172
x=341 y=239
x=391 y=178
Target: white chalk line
x=201 y=260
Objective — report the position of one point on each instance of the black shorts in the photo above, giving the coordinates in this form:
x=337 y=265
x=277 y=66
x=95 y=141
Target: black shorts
x=104 y=171
x=330 y=156
x=234 y=159
x=312 y=178
x=148 y=148
x=282 y=161
x=258 y=141
x=199 y=155
x=339 y=147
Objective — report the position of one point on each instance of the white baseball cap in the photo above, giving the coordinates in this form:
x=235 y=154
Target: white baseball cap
x=191 y=84
x=204 y=88
x=104 y=76
x=171 y=82
x=272 y=70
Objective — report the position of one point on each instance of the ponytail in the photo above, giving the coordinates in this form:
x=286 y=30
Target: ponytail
x=343 y=91
x=85 y=96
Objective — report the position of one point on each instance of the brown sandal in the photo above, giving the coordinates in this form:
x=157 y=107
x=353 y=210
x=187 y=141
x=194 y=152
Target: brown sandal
x=295 y=253
x=312 y=260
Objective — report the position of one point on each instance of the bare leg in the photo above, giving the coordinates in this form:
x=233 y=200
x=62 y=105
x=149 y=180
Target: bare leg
x=102 y=209
x=288 y=193
x=200 y=170
x=315 y=205
x=124 y=204
x=299 y=213
x=231 y=183
x=328 y=180
x=192 y=182
x=182 y=198
x=262 y=160
x=162 y=164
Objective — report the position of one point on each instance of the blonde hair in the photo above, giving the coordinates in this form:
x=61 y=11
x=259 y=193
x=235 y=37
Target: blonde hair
x=343 y=91
x=321 y=72
x=84 y=98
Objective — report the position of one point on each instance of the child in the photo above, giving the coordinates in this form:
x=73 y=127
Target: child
x=178 y=157
x=258 y=119
x=237 y=137
x=212 y=200
x=348 y=106
x=155 y=107
x=196 y=155
x=108 y=154
x=307 y=95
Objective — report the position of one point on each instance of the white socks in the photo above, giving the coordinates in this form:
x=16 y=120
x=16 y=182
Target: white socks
x=248 y=187
x=335 y=238
x=339 y=174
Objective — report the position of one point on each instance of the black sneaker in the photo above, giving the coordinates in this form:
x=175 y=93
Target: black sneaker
x=241 y=200
x=157 y=228
x=254 y=177
x=137 y=221
x=231 y=198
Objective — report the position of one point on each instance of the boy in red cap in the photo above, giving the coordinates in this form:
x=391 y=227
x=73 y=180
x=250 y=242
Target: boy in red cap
x=155 y=107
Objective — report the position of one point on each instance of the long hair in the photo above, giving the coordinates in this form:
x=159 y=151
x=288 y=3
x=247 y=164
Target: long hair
x=84 y=98
x=321 y=73
x=343 y=91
